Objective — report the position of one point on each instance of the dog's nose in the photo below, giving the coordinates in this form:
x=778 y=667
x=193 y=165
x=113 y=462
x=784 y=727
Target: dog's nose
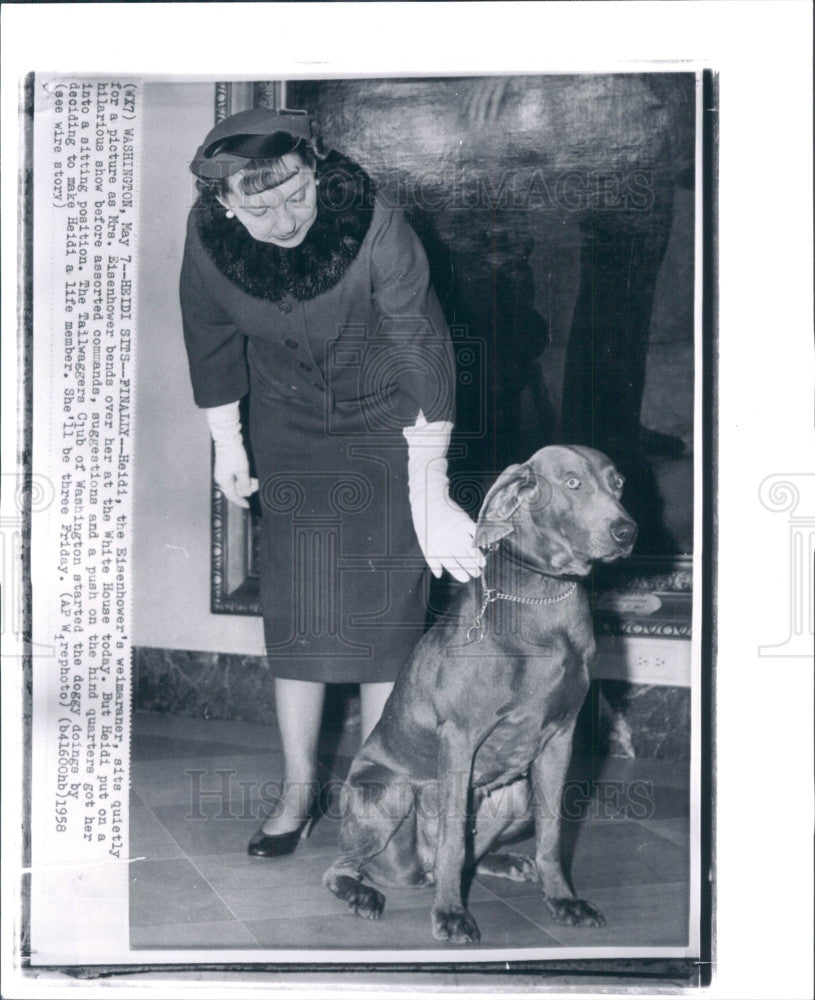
x=623 y=531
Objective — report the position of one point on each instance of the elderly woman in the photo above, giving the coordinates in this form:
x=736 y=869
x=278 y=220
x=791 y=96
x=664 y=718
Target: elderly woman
x=303 y=289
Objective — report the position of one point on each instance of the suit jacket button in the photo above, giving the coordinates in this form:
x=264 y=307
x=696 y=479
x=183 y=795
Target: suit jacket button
x=292 y=344
x=285 y=306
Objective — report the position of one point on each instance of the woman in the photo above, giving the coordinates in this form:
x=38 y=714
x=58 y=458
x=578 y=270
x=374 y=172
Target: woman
x=303 y=289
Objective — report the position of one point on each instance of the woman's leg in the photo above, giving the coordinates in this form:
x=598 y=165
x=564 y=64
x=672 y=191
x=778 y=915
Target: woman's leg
x=299 y=708
x=372 y=701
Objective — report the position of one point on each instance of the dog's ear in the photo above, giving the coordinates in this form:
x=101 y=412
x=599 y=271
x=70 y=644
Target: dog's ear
x=504 y=498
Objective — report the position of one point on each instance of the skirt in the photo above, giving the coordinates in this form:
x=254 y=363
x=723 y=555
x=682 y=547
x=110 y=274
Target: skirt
x=343 y=583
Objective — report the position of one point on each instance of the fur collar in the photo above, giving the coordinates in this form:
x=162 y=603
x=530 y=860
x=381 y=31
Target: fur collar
x=265 y=271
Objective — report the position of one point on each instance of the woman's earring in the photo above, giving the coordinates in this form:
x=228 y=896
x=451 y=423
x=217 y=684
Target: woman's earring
x=317 y=183
x=230 y=214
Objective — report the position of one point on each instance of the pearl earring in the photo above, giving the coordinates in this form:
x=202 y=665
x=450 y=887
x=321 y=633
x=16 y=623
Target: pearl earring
x=230 y=214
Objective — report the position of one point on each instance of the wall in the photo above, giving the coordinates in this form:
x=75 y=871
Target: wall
x=171 y=564
x=532 y=259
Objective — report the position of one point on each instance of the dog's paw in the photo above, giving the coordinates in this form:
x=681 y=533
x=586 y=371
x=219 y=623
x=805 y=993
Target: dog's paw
x=575 y=912
x=365 y=901
x=517 y=867
x=454 y=924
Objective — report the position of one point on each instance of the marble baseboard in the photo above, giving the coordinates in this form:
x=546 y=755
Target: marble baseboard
x=619 y=718
x=216 y=686
x=642 y=720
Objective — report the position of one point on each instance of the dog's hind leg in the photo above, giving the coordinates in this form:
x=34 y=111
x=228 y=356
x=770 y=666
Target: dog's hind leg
x=374 y=804
x=501 y=815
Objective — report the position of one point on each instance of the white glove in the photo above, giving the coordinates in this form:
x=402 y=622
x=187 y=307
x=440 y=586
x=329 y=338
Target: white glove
x=444 y=531
x=231 y=463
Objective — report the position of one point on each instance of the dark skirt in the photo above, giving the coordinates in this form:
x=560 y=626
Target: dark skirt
x=343 y=583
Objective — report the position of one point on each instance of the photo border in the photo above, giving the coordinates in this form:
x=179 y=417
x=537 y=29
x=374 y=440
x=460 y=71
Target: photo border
x=780 y=965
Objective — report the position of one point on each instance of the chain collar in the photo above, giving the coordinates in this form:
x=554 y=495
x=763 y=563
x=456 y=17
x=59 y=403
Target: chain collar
x=475 y=633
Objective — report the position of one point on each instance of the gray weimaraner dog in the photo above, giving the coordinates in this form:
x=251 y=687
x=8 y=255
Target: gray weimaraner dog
x=475 y=739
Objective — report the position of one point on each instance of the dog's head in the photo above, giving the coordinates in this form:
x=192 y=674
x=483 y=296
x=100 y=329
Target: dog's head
x=559 y=511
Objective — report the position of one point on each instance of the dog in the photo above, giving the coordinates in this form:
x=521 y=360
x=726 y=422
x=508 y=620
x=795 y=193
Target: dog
x=475 y=738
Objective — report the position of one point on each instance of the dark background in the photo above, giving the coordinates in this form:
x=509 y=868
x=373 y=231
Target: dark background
x=557 y=215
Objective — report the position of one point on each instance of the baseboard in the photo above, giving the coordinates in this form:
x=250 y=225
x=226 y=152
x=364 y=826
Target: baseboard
x=639 y=705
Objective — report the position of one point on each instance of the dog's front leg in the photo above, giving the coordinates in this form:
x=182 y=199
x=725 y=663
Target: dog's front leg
x=548 y=775
x=449 y=919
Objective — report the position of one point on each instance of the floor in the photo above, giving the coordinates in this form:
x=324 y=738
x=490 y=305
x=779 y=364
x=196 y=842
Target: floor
x=198 y=793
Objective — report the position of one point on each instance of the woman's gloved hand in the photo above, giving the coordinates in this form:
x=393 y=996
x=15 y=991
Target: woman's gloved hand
x=444 y=531
x=231 y=462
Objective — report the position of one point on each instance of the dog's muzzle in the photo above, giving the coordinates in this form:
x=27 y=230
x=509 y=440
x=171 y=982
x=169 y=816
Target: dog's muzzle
x=623 y=532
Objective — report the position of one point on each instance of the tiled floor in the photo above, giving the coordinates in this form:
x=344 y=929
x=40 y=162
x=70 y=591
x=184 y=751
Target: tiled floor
x=199 y=788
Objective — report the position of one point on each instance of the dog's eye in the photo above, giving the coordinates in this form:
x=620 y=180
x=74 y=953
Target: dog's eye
x=619 y=482
x=573 y=483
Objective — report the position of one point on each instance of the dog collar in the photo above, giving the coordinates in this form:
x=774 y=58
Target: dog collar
x=475 y=633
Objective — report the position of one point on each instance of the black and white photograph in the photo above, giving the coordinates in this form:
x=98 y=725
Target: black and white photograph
x=369 y=543
x=411 y=478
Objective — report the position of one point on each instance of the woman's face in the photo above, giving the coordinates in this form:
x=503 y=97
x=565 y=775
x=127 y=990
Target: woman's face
x=281 y=215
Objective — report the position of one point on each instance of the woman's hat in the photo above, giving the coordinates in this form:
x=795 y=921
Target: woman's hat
x=249 y=135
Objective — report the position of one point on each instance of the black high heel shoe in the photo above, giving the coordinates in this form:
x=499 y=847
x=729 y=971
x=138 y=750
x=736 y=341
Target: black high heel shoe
x=276 y=845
